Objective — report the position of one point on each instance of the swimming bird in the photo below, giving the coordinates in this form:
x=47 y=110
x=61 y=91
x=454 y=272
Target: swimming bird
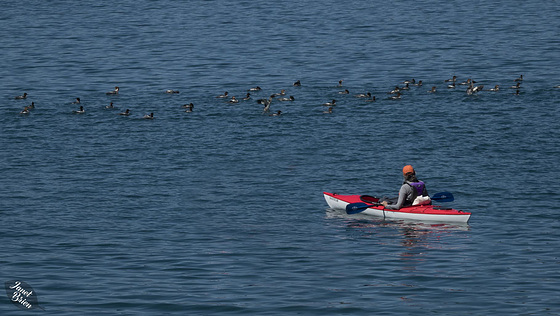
x=32 y=106
x=25 y=110
x=278 y=113
x=395 y=97
x=21 y=97
x=266 y=107
x=189 y=107
x=413 y=81
x=297 y=84
x=149 y=116
x=419 y=84
x=496 y=88
x=396 y=90
x=221 y=96
x=468 y=82
x=363 y=95
x=110 y=106
x=233 y=100
x=330 y=103
x=291 y=98
x=247 y=97
x=520 y=78
x=77 y=101
x=344 y=92
x=451 y=86
x=329 y=111
x=472 y=89
x=170 y=91
x=266 y=102
x=282 y=92
x=517 y=86
x=558 y=87
x=126 y=113
x=452 y=79
x=406 y=87
x=80 y=111
x=257 y=88
x=516 y=92
x=115 y=91
x=340 y=83
x=433 y=90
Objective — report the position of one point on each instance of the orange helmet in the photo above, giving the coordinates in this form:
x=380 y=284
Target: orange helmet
x=407 y=169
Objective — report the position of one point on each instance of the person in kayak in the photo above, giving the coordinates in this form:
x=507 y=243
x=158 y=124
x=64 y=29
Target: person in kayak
x=412 y=192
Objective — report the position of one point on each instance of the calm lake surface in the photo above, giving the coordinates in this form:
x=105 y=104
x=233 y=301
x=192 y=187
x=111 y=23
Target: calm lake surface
x=220 y=210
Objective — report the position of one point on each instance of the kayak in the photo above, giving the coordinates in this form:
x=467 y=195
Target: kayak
x=417 y=212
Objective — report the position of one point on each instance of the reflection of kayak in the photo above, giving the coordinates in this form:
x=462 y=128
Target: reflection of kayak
x=418 y=212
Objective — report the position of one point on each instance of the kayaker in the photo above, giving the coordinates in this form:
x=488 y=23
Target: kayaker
x=411 y=189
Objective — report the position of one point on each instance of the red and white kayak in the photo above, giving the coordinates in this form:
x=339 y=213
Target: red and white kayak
x=418 y=212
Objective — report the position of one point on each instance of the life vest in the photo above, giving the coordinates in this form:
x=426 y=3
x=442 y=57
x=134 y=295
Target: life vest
x=419 y=188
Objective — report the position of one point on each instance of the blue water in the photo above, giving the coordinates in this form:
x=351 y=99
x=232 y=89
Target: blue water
x=220 y=211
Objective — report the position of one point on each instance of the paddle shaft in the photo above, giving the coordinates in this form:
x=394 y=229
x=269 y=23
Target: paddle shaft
x=354 y=208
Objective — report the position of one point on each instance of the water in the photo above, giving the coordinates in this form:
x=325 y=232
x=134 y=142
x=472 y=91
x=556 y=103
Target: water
x=220 y=211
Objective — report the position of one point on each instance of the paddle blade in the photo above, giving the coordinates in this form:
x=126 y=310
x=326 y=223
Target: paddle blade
x=443 y=197
x=354 y=208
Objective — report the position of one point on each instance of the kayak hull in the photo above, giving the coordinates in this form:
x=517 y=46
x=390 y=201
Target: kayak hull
x=430 y=213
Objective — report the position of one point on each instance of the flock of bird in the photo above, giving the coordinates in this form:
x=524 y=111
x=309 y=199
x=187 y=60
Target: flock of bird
x=394 y=94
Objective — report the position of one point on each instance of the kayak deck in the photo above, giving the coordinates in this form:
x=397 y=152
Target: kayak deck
x=417 y=212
